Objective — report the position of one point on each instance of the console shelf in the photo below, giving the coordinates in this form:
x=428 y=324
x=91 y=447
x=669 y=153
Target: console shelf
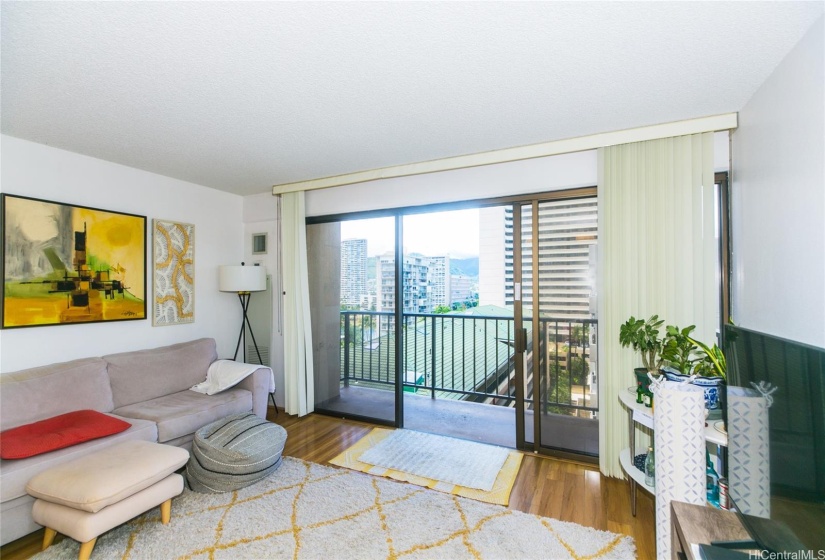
x=630 y=469
x=638 y=413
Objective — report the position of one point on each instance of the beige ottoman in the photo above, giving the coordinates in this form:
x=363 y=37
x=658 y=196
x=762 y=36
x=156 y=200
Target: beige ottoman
x=86 y=497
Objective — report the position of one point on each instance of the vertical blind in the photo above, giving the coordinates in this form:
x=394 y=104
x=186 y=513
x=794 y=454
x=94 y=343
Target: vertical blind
x=658 y=255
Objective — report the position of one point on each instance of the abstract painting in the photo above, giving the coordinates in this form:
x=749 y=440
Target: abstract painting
x=67 y=264
x=174 y=259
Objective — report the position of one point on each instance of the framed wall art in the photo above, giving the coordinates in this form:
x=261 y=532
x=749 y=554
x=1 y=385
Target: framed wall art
x=174 y=273
x=67 y=264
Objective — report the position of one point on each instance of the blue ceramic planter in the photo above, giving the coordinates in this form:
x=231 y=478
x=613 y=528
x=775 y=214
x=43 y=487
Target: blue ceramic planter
x=709 y=384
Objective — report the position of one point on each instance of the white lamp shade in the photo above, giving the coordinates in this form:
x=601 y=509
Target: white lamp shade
x=239 y=278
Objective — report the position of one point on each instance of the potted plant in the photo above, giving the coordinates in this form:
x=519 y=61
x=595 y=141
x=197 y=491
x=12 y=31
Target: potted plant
x=712 y=369
x=712 y=362
x=643 y=336
x=692 y=357
x=679 y=349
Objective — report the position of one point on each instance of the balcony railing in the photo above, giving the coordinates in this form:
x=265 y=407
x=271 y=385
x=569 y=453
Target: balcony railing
x=471 y=357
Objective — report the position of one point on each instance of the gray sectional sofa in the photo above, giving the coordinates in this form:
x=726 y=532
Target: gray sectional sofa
x=147 y=388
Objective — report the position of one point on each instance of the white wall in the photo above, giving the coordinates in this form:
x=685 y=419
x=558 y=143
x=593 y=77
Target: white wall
x=260 y=215
x=778 y=201
x=40 y=171
x=550 y=173
x=721 y=151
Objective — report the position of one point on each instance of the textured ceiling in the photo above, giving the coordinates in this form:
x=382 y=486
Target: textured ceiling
x=241 y=96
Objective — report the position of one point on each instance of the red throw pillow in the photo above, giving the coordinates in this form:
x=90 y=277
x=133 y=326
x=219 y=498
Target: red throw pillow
x=58 y=432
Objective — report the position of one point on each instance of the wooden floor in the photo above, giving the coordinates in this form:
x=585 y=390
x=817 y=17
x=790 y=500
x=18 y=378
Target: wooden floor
x=549 y=487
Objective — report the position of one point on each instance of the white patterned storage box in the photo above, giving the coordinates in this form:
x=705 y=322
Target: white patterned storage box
x=679 y=445
x=749 y=451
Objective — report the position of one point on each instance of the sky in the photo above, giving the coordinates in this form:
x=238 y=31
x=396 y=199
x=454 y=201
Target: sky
x=438 y=233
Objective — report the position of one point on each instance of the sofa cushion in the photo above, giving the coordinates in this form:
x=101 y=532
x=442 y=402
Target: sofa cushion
x=15 y=474
x=38 y=393
x=148 y=374
x=182 y=413
x=58 y=432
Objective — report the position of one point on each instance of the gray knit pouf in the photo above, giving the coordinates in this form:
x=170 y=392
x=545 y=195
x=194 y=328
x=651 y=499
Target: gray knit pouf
x=234 y=452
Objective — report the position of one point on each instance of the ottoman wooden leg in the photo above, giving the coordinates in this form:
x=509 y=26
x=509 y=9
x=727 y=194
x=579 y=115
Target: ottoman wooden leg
x=166 y=511
x=48 y=538
x=86 y=549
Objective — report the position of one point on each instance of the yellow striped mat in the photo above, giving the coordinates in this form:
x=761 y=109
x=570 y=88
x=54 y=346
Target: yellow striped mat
x=500 y=494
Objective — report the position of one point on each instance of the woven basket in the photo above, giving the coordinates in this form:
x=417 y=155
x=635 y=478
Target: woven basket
x=234 y=452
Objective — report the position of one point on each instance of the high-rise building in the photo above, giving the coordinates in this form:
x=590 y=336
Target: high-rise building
x=495 y=256
x=369 y=302
x=425 y=282
x=461 y=288
x=567 y=230
x=413 y=282
x=353 y=271
x=438 y=281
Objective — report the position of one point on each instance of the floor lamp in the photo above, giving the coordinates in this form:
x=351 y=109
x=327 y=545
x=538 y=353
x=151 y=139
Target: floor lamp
x=243 y=280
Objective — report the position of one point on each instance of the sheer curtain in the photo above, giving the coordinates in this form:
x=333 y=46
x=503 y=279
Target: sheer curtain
x=658 y=255
x=299 y=388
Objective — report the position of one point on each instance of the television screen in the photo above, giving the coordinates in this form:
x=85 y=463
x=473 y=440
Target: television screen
x=776 y=435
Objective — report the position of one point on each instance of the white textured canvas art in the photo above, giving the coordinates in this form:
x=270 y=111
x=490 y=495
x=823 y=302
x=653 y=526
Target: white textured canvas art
x=174 y=273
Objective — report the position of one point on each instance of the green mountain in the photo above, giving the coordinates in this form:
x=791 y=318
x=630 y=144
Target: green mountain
x=466 y=267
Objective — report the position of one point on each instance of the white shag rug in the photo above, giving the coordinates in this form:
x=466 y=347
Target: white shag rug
x=456 y=461
x=307 y=511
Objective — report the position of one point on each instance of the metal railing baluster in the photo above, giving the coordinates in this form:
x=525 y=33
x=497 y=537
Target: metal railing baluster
x=346 y=349
x=432 y=351
x=480 y=380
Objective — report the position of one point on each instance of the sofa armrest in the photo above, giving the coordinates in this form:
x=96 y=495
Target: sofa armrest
x=258 y=384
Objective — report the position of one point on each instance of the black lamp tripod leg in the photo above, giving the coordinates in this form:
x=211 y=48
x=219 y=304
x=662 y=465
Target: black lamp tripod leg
x=244 y=298
x=241 y=333
x=255 y=342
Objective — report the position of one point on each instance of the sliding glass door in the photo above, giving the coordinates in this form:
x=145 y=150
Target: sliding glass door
x=458 y=325
x=474 y=320
x=556 y=318
x=352 y=298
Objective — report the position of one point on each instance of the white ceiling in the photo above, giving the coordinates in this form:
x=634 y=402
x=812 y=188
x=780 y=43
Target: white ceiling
x=239 y=96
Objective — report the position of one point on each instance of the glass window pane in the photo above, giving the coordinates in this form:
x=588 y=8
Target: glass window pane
x=567 y=242
x=458 y=325
x=353 y=334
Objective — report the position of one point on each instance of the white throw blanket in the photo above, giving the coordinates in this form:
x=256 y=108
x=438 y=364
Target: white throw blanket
x=223 y=374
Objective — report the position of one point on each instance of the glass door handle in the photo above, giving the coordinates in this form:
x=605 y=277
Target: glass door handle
x=521 y=340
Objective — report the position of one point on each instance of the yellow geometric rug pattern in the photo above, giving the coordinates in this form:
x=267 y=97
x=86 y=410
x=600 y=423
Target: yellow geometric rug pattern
x=500 y=493
x=308 y=511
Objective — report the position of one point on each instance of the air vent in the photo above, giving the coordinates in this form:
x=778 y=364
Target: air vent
x=252 y=355
x=260 y=321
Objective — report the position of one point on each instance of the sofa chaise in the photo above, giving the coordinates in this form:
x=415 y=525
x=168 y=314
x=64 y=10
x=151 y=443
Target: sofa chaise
x=147 y=388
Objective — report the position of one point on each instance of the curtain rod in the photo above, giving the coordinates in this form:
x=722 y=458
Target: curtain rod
x=714 y=123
